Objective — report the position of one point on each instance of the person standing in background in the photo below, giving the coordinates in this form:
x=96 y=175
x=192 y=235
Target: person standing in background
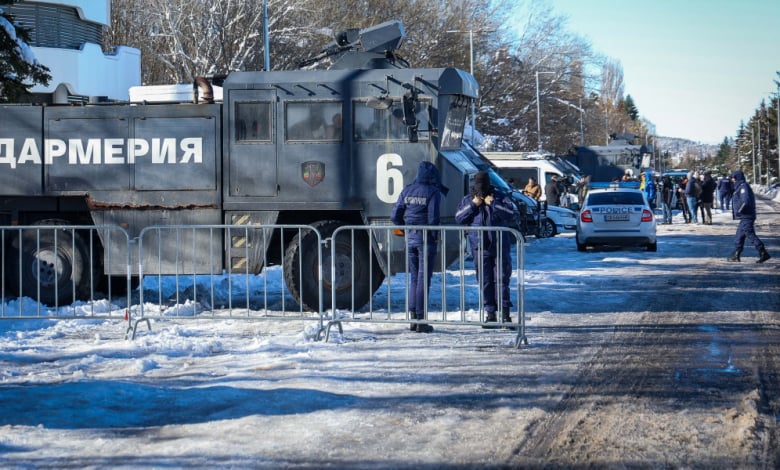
x=667 y=196
x=649 y=188
x=684 y=200
x=707 y=197
x=532 y=189
x=725 y=188
x=553 y=192
x=692 y=191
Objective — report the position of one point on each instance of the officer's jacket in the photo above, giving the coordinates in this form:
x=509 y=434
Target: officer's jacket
x=725 y=186
x=419 y=202
x=743 y=202
x=498 y=214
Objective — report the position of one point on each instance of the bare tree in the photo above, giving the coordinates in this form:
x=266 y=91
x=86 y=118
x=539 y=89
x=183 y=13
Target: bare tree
x=180 y=39
x=509 y=111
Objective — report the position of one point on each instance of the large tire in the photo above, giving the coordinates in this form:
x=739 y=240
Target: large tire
x=546 y=229
x=301 y=271
x=59 y=264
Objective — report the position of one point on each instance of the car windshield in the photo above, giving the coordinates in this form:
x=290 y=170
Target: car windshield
x=615 y=198
x=499 y=182
x=676 y=177
x=523 y=198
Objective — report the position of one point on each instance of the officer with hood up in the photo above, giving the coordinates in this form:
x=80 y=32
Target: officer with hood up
x=487 y=206
x=418 y=204
x=743 y=208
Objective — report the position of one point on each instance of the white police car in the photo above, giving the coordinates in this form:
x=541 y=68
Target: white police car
x=616 y=214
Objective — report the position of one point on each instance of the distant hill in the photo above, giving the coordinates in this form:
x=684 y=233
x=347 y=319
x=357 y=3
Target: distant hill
x=679 y=147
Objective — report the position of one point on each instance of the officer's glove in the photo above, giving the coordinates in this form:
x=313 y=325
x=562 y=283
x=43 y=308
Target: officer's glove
x=489 y=199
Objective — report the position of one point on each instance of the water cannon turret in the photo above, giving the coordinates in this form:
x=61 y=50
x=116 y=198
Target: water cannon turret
x=370 y=48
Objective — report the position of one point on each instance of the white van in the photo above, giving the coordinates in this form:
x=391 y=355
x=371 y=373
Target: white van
x=517 y=167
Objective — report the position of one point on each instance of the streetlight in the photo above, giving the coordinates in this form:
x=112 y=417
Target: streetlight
x=777 y=105
x=471 y=70
x=753 y=151
x=539 y=112
x=760 y=154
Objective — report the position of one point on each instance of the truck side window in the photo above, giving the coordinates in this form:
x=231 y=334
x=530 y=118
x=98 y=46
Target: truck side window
x=381 y=124
x=253 y=121
x=313 y=120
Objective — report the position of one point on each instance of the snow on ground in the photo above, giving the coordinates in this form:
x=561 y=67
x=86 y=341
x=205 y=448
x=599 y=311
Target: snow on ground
x=237 y=393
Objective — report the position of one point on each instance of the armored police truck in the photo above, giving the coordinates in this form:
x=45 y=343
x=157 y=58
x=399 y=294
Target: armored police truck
x=324 y=148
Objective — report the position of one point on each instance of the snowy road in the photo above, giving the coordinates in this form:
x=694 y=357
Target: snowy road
x=635 y=360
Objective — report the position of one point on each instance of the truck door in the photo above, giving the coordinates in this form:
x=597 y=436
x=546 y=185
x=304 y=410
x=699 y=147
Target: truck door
x=252 y=143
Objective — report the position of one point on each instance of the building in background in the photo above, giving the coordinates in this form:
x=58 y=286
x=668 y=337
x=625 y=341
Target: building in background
x=66 y=36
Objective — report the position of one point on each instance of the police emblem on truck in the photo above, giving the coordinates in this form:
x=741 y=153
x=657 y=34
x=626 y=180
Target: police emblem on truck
x=313 y=172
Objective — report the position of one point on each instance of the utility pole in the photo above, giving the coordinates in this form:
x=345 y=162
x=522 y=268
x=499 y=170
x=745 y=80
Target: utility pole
x=266 y=40
x=753 y=151
x=760 y=168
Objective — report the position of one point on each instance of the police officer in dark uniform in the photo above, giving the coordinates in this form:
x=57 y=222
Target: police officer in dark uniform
x=487 y=206
x=725 y=188
x=743 y=208
x=418 y=204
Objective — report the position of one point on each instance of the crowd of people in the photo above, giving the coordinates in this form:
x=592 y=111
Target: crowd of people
x=698 y=194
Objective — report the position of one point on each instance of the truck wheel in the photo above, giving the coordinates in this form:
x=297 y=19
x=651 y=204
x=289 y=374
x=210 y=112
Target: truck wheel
x=59 y=266
x=301 y=271
x=547 y=229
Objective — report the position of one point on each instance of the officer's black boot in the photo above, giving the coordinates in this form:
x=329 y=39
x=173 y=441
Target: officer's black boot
x=413 y=326
x=762 y=255
x=734 y=256
x=423 y=327
x=420 y=327
x=506 y=319
x=490 y=317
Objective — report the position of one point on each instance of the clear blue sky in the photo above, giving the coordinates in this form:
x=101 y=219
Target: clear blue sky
x=695 y=68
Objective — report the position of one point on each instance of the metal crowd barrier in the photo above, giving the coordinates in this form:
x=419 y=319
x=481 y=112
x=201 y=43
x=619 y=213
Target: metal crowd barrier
x=169 y=257
x=51 y=272
x=445 y=299
x=210 y=271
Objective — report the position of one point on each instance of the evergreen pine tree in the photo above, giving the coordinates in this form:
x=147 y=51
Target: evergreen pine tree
x=19 y=70
x=630 y=108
